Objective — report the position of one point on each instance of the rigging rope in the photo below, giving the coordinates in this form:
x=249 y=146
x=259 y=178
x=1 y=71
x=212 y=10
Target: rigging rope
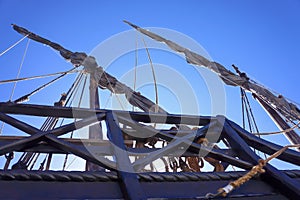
x=36 y=77
x=278 y=109
x=12 y=46
x=246 y=104
x=73 y=92
x=257 y=169
x=73 y=89
x=251 y=120
x=26 y=97
x=79 y=103
x=153 y=75
x=18 y=74
x=49 y=160
x=250 y=110
x=71 y=162
x=136 y=61
x=243 y=107
x=113 y=91
x=30 y=158
x=278 y=132
x=41 y=168
x=35 y=160
x=107 y=101
x=135 y=64
x=19 y=71
x=248 y=117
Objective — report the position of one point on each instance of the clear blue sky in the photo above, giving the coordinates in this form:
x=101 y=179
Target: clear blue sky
x=260 y=37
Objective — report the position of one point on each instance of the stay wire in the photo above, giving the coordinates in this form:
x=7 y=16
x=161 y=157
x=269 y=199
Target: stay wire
x=248 y=118
x=73 y=89
x=243 y=107
x=49 y=124
x=19 y=71
x=28 y=157
x=42 y=164
x=18 y=74
x=12 y=46
x=251 y=112
x=135 y=64
x=252 y=119
x=107 y=101
x=79 y=104
x=283 y=131
x=154 y=79
x=35 y=160
x=26 y=97
x=114 y=92
x=36 y=77
x=278 y=132
x=153 y=75
x=268 y=102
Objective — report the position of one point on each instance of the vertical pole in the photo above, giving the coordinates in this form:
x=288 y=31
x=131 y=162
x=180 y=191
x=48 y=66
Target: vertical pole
x=95 y=131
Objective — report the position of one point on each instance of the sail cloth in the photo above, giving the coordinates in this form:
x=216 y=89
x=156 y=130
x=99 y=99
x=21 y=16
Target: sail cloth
x=104 y=79
x=287 y=109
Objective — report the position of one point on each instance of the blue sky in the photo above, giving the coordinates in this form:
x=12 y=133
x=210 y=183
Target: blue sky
x=260 y=37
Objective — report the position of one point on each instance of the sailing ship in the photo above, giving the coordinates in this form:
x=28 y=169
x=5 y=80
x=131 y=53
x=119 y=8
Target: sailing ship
x=122 y=166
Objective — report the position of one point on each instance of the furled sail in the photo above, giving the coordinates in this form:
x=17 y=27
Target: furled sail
x=104 y=79
x=279 y=103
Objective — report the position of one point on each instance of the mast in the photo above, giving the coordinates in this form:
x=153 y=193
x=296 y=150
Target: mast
x=95 y=131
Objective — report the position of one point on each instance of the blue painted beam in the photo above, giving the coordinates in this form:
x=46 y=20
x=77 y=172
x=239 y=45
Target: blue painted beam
x=272 y=176
x=130 y=184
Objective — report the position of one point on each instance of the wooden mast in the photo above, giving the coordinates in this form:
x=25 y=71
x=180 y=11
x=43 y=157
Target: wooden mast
x=95 y=131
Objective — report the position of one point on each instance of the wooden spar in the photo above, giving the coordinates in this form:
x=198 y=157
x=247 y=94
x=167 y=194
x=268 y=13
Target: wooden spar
x=292 y=136
x=228 y=77
x=74 y=112
x=106 y=80
x=95 y=131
